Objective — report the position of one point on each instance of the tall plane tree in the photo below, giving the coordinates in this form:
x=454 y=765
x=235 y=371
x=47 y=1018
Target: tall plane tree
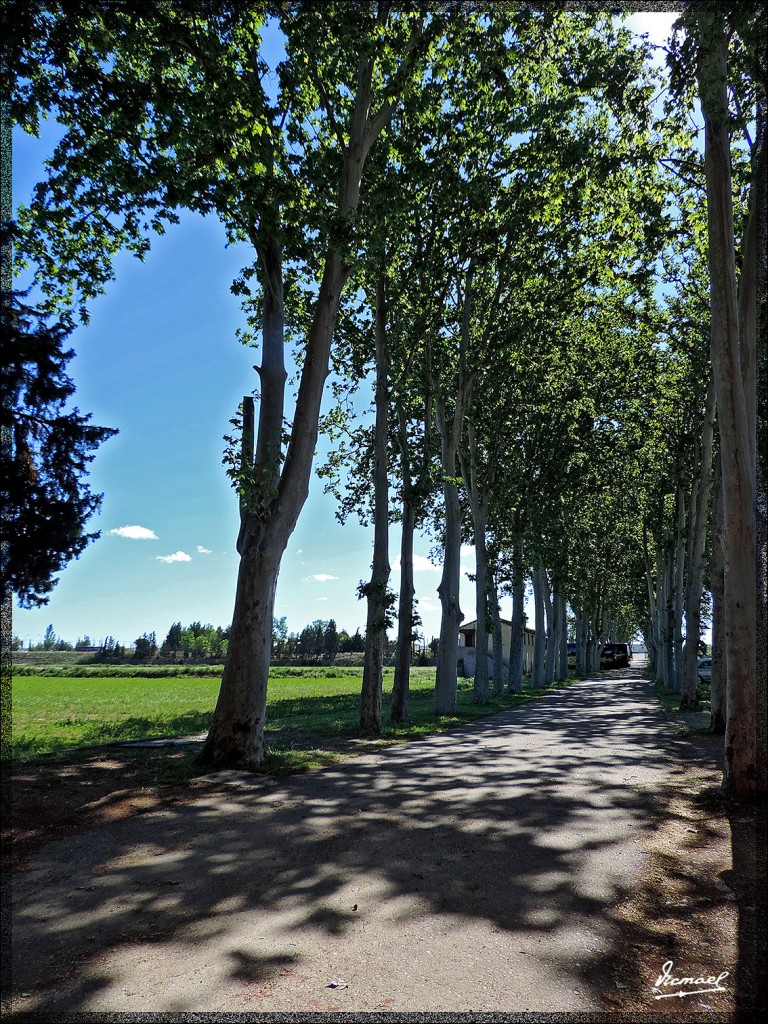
x=719 y=40
x=168 y=107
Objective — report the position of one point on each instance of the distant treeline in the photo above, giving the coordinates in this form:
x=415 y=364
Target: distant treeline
x=321 y=640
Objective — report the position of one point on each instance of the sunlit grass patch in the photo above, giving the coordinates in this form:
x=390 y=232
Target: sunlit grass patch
x=311 y=713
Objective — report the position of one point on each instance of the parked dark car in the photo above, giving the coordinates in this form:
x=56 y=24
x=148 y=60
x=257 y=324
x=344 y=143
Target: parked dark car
x=622 y=655
x=615 y=656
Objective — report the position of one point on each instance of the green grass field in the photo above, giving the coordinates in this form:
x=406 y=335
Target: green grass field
x=307 y=710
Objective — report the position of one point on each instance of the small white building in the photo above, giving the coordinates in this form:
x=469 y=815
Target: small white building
x=467 y=633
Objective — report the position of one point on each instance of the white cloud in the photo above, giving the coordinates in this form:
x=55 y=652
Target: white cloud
x=135 y=533
x=321 y=599
x=177 y=556
x=466 y=550
x=203 y=551
x=426 y=604
x=300 y=551
x=321 y=577
x=420 y=564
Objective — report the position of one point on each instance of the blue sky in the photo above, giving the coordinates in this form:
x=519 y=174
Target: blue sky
x=160 y=362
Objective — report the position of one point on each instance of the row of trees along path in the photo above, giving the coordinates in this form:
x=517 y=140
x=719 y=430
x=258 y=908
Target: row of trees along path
x=505 y=218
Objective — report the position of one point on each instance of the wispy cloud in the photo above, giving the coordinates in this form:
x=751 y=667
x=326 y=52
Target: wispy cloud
x=203 y=551
x=466 y=550
x=321 y=577
x=135 y=533
x=321 y=599
x=420 y=564
x=427 y=605
x=177 y=556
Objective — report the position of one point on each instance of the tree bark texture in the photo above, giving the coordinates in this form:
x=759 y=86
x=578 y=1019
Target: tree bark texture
x=669 y=618
x=719 y=682
x=480 y=690
x=696 y=559
x=236 y=736
x=498 y=640
x=540 y=631
x=413 y=496
x=376 y=589
x=516 y=650
x=553 y=633
x=593 y=648
x=737 y=434
x=661 y=614
x=581 y=642
x=760 y=200
x=561 y=618
x=448 y=591
x=399 y=708
x=677 y=624
x=651 y=639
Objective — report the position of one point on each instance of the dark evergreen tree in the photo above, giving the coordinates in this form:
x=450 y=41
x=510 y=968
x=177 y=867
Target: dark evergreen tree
x=330 y=640
x=45 y=499
x=172 y=642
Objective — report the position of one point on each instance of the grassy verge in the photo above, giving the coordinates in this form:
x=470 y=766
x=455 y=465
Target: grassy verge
x=690 y=721
x=312 y=716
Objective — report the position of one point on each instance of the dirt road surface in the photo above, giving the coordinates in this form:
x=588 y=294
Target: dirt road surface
x=470 y=871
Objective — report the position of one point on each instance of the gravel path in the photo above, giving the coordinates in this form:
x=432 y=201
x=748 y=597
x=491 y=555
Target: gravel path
x=470 y=871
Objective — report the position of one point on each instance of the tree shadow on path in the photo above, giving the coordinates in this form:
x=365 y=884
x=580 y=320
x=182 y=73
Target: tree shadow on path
x=525 y=826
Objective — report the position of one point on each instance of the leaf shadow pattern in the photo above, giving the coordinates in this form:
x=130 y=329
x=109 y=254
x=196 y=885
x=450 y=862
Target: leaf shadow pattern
x=501 y=844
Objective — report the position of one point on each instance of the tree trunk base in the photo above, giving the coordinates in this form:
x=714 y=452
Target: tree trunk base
x=717 y=725
x=223 y=756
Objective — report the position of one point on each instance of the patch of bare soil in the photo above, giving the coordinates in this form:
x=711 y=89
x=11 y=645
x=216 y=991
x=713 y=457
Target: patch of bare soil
x=700 y=909
x=52 y=800
x=62 y=794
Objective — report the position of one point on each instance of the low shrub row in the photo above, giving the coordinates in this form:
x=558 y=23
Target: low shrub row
x=118 y=671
